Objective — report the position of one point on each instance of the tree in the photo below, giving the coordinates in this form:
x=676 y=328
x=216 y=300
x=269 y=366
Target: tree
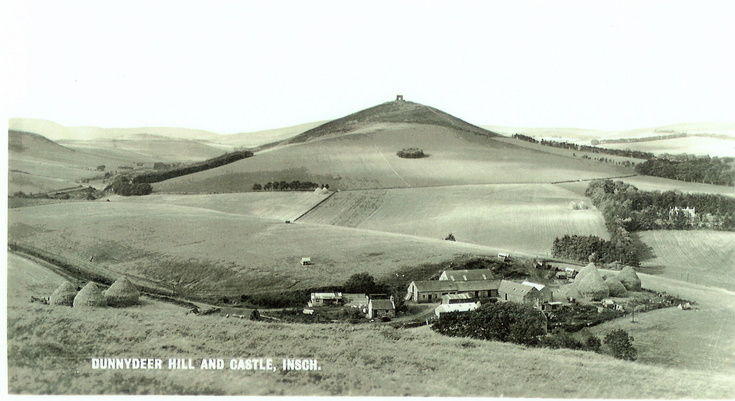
x=101 y=167
x=450 y=237
x=620 y=345
x=257 y=187
x=360 y=283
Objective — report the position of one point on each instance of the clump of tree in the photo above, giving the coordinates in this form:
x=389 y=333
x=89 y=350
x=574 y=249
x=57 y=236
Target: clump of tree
x=450 y=237
x=158 y=176
x=709 y=170
x=411 y=153
x=619 y=344
x=289 y=186
x=580 y=247
x=124 y=186
x=500 y=321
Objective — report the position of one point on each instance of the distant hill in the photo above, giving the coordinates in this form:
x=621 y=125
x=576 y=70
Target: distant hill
x=258 y=138
x=396 y=112
x=359 y=151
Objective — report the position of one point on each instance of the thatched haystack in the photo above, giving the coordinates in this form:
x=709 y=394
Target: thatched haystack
x=64 y=295
x=630 y=279
x=617 y=289
x=592 y=286
x=584 y=272
x=122 y=293
x=90 y=296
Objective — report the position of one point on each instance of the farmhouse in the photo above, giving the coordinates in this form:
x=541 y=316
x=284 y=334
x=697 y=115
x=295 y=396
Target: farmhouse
x=519 y=293
x=467 y=275
x=325 y=299
x=432 y=290
x=546 y=294
x=378 y=308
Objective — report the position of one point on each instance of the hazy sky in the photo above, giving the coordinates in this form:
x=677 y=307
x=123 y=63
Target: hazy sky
x=239 y=66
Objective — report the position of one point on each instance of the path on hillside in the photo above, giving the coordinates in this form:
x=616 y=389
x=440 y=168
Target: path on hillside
x=387 y=162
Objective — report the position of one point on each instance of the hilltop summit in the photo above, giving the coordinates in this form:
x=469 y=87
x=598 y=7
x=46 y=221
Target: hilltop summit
x=398 y=111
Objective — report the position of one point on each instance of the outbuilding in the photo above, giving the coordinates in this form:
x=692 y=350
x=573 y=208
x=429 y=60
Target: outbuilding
x=516 y=292
x=433 y=290
x=378 y=308
x=325 y=299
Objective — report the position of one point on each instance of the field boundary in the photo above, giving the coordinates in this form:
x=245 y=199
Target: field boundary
x=315 y=206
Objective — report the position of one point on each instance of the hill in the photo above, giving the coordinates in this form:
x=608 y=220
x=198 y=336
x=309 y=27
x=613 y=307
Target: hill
x=360 y=152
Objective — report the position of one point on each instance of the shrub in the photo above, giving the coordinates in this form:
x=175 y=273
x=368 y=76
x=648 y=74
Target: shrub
x=411 y=153
x=620 y=345
x=560 y=339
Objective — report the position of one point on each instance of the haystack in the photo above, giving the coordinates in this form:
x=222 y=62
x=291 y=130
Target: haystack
x=122 y=293
x=64 y=295
x=90 y=296
x=584 y=272
x=630 y=279
x=592 y=286
x=617 y=289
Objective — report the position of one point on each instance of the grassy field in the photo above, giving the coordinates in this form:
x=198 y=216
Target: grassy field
x=702 y=257
x=368 y=160
x=714 y=147
x=277 y=205
x=648 y=183
x=516 y=217
x=50 y=350
x=213 y=253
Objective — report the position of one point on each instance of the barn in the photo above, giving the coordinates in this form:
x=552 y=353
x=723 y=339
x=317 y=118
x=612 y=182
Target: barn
x=519 y=293
x=433 y=290
x=467 y=275
x=546 y=294
x=378 y=308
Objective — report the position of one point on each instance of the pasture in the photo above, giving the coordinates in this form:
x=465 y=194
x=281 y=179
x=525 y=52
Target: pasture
x=701 y=257
x=209 y=253
x=516 y=217
x=368 y=160
x=648 y=183
x=693 y=145
x=50 y=350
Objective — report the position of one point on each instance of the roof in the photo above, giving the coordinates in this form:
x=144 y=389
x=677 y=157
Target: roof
x=326 y=295
x=468 y=275
x=509 y=287
x=463 y=307
x=447 y=285
x=534 y=285
x=382 y=304
x=457 y=296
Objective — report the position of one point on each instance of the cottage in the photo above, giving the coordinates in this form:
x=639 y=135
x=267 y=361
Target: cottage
x=378 y=308
x=519 y=293
x=467 y=275
x=305 y=261
x=546 y=294
x=458 y=307
x=433 y=290
x=325 y=299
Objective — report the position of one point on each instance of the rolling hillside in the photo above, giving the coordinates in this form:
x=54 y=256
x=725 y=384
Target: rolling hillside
x=359 y=152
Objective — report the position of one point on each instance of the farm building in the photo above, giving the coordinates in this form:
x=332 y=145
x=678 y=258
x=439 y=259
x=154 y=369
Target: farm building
x=546 y=294
x=551 y=306
x=305 y=261
x=456 y=298
x=504 y=257
x=455 y=307
x=325 y=299
x=432 y=291
x=519 y=293
x=378 y=308
x=467 y=275
x=355 y=299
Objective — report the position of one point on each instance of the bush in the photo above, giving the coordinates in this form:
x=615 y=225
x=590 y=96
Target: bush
x=620 y=345
x=560 y=339
x=411 y=153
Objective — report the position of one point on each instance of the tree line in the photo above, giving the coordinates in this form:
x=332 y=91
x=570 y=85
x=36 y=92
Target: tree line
x=718 y=171
x=586 y=148
x=289 y=186
x=158 y=176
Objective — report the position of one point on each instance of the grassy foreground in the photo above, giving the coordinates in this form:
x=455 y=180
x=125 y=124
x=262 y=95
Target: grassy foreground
x=50 y=350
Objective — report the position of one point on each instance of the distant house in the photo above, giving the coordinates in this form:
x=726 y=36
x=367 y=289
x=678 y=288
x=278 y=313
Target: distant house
x=467 y=275
x=546 y=294
x=504 y=257
x=378 y=308
x=519 y=293
x=455 y=307
x=433 y=290
x=305 y=261
x=325 y=299
x=690 y=213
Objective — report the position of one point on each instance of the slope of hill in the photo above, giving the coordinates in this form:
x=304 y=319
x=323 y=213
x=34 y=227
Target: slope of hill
x=360 y=152
x=258 y=138
x=390 y=112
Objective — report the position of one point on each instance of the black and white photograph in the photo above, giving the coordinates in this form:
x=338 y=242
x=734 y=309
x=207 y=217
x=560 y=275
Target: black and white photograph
x=496 y=199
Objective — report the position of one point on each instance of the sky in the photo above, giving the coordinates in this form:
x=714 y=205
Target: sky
x=243 y=66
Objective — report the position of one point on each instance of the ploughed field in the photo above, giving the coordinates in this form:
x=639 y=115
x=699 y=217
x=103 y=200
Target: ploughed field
x=519 y=217
x=208 y=253
x=366 y=159
x=701 y=257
